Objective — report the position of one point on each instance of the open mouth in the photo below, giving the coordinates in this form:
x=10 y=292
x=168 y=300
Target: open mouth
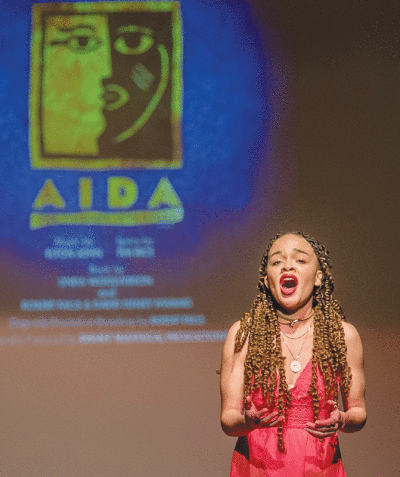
x=288 y=284
x=115 y=96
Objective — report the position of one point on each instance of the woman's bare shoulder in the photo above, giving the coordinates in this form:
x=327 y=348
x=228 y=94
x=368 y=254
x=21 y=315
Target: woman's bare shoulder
x=234 y=328
x=353 y=344
x=350 y=332
x=229 y=345
x=231 y=335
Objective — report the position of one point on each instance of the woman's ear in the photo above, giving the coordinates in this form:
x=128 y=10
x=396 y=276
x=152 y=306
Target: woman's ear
x=318 y=278
x=266 y=281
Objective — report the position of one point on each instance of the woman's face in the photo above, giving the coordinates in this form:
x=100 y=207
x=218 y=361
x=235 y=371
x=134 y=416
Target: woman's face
x=292 y=273
x=76 y=60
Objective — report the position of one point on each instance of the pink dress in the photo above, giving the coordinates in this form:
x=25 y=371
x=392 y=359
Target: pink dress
x=257 y=455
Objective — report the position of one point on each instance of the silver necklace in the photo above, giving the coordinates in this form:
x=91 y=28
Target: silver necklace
x=291 y=323
x=296 y=337
x=295 y=365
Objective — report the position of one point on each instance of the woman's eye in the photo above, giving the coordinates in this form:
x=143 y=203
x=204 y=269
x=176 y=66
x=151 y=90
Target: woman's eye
x=276 y=262
x=133 y=43
x=301 y=260
x=83 y=43
x=79 y=40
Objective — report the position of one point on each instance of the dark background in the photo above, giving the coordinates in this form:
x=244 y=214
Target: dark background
x=151 y=410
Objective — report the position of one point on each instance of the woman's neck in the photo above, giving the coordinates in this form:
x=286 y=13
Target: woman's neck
x=304 y=314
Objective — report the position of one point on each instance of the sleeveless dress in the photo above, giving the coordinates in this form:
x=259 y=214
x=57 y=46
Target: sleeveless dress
x=257 y=455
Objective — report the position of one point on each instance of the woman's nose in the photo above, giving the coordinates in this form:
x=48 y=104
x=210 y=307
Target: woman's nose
x=287 y=265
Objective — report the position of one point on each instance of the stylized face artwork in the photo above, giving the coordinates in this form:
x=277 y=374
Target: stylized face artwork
x=140 y=80
x=108 y=93
x=76 y=60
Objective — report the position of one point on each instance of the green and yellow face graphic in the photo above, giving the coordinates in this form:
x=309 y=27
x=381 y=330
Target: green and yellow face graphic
x=106 y=86
x=76 y=59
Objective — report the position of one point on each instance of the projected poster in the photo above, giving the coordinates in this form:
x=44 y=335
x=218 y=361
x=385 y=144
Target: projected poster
x=142 y=118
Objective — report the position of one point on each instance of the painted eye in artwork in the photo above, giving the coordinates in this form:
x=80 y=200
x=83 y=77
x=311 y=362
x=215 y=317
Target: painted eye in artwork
x=82 y=43
x=79 y=40
x=133 y=40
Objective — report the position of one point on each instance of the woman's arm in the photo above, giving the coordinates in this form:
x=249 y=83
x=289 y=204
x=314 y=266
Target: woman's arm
x=354 y=417
x=237 y=419
x=233 y=422
x=355 y=414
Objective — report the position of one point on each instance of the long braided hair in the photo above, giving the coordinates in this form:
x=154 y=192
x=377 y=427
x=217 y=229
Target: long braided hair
x=264 y=360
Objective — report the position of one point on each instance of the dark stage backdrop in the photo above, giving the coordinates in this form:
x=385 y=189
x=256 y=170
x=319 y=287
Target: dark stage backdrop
x=149 y=150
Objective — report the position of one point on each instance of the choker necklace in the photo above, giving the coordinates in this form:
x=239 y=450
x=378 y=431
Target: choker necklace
x=295 y=365
x=291 y=323
x=296 y=337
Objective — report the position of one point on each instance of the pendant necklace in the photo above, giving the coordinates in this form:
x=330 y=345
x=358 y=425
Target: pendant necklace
x=296 y=337
x=295 y=365
x=291 y=323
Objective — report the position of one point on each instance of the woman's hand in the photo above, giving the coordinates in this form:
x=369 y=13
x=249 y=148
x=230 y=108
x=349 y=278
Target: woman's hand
x=323 y=428
x=260 y=419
